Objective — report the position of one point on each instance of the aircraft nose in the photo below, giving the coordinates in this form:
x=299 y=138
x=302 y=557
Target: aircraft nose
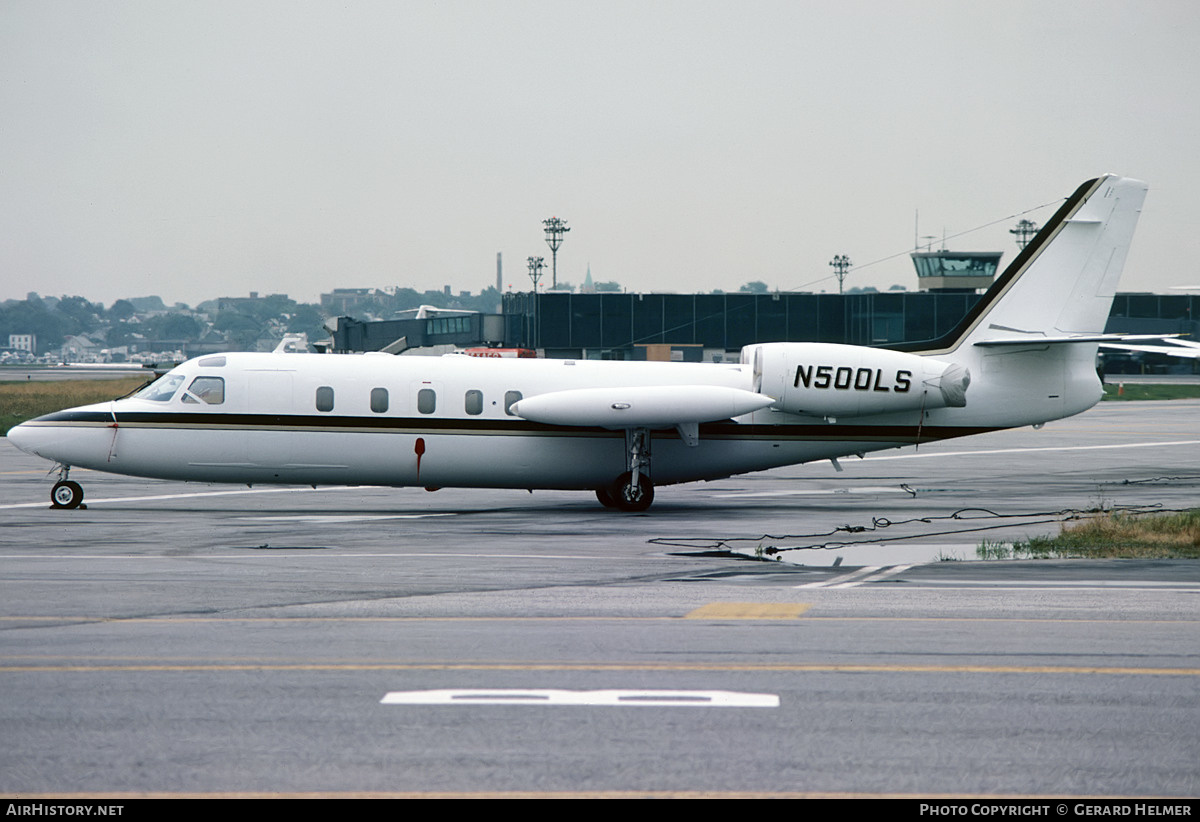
x=70 y=437
x=23 y=437
x=44 y=441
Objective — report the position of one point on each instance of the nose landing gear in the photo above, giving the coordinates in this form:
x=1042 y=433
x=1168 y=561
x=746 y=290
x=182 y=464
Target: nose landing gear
x=66 y=494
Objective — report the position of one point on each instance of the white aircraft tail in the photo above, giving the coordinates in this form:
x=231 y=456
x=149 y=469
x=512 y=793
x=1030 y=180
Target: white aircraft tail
x=1060 y=287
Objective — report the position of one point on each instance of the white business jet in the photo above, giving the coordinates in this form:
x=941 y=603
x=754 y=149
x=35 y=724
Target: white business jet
x=1025 y=354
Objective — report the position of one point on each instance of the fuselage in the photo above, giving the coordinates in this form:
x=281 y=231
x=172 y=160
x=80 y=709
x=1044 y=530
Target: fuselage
x=377 y=419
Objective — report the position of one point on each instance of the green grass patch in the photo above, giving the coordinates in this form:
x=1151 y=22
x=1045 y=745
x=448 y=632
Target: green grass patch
x=989 y=549
x=20 y=401
x=1151 y=391
x=1110 y=536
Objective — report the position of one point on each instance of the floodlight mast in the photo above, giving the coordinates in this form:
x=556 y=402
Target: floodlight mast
x=1024 y=232
x=840 y=263
x=536 y=264
x=555 y=229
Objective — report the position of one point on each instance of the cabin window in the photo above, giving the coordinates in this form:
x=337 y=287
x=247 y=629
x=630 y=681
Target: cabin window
x=426 y=401
x=209 y=390
x=161 y=389
x=474 y=402
x=324 y=398
x=379 y=400
x=511 y=397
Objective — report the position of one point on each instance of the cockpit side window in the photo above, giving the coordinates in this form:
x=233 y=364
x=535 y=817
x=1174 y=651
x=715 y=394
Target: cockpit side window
x=209 y=390
x=162 y=389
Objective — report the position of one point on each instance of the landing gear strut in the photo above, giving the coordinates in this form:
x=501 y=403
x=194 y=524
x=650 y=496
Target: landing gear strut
x=633 y=490
x=66 y=494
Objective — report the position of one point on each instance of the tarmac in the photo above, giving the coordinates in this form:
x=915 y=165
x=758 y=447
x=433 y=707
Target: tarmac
x=796 y=632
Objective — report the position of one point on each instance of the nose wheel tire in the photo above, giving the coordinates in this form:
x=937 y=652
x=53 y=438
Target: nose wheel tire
x=66 y=494
x=630 y=497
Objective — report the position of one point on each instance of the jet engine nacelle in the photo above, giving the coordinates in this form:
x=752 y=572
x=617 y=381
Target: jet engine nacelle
x=830 y=380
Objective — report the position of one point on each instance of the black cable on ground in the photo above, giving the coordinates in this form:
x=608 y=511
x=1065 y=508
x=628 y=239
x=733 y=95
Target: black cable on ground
x=730 y=543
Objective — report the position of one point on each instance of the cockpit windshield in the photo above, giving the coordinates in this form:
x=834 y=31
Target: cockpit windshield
x=162 y=389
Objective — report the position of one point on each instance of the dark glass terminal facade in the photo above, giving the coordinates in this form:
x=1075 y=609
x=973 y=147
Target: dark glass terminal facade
x=615 y=325
x=708 y=327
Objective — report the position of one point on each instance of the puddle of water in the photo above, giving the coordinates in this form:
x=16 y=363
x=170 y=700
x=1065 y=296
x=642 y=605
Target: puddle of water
x=886 y=554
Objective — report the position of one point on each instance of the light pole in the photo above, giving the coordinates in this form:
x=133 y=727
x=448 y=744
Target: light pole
x=536 y=264
x=1024 y=231
x=840 y=263
x=555 y=229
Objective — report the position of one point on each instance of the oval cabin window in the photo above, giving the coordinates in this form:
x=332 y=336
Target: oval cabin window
x=426 y=401
x=379 y=400
x=324 y=398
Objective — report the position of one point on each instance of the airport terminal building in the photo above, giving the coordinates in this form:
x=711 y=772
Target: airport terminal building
x=715 y=327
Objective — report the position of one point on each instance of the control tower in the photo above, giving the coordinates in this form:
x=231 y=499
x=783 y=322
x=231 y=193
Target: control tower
x=955 y=270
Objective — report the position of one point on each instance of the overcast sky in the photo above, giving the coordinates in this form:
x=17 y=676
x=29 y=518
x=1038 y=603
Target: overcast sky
x=202 y=149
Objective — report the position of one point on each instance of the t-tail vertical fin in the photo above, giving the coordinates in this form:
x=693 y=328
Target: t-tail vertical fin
x=1062 y=284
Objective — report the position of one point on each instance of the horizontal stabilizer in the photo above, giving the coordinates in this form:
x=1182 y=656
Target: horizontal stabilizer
x=1172 y=348
x=644 y=406
x=1033 y=339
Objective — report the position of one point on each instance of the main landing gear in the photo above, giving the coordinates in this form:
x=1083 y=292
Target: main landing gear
x=66 y=494
x=633 y=490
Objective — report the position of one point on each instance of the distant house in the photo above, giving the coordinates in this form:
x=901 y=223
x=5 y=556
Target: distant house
x=79 y=348
x=351 y=300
